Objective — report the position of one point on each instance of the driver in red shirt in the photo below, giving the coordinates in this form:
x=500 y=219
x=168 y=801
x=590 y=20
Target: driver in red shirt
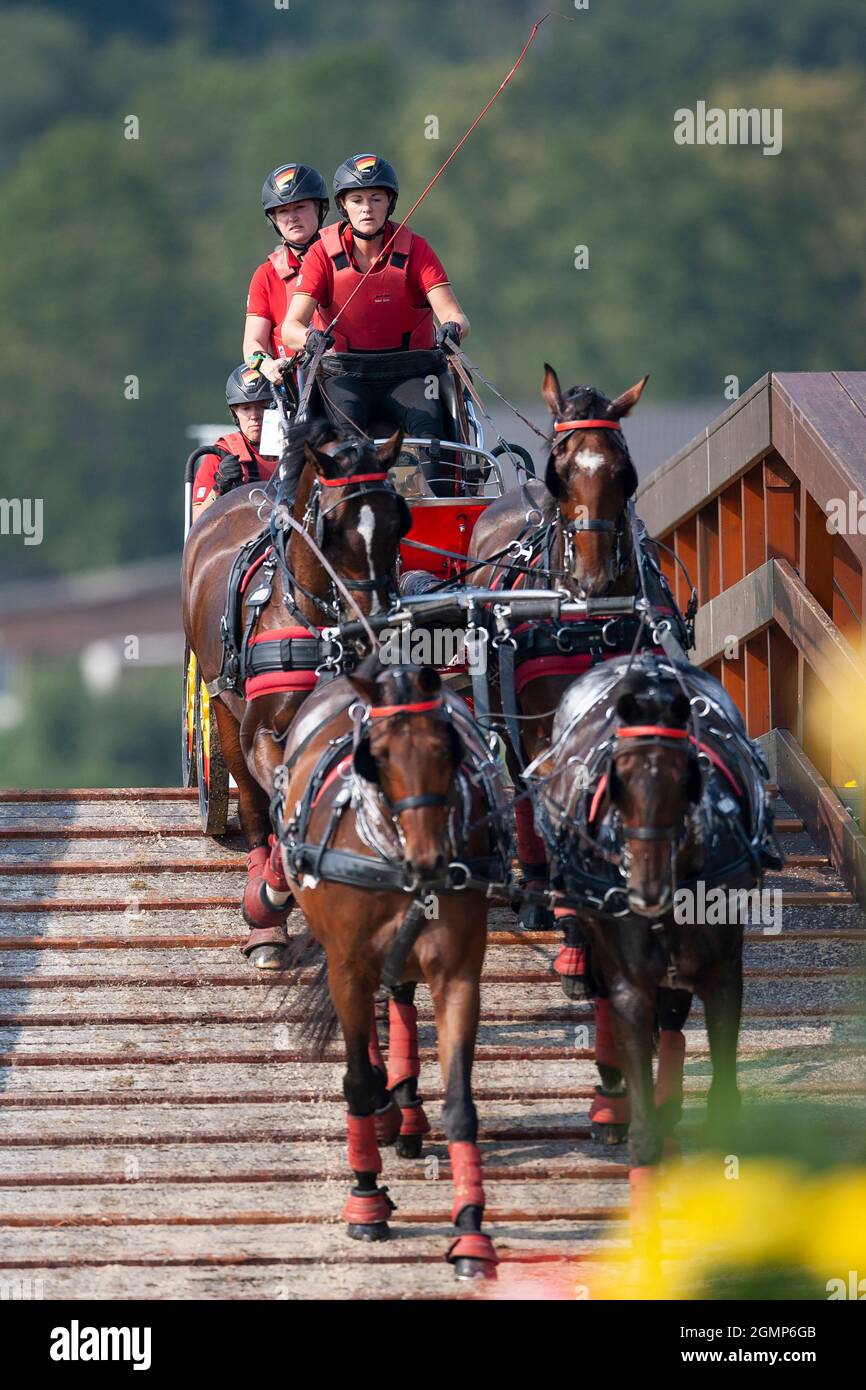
x=236 y=458
x=386 y=343
x=295 y=202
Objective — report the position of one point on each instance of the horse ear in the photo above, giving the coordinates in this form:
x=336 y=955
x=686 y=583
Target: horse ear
x=627 y=401
x=364 y=678
x=551 y=390
x=429 y=681
x=322 y=462
x=389 y=452
x=627 y=708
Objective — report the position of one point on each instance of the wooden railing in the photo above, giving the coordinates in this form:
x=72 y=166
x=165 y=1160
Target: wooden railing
x=746 y=507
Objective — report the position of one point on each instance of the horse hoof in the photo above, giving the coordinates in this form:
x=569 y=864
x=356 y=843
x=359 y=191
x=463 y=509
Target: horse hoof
x=573 y=987
x=409 y=1145
x=370 y=1230
x=267 y=957
x=609 y=1133
x=533 y=917
x=388 y=1121
x=467 y=1268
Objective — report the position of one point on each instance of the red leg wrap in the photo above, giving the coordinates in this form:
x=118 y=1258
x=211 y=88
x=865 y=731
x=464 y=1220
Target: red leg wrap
x=414 y=1120
x=363 y=1149
x=364 y=1209
x=571 y=961
x=403 y=1043
x=472 y=1245
x=605 y=1043
x=259 y=913
x=609 y=1110
x=672 y=1051
x=388 y=1121
x=466 y=1177
x=273 y=870
x=256 y=861
x=530 y=847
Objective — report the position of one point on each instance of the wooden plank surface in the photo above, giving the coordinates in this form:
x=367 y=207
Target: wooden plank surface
x=165 y=1131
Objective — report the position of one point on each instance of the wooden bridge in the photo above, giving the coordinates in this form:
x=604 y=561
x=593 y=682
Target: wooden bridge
x=163 y=1133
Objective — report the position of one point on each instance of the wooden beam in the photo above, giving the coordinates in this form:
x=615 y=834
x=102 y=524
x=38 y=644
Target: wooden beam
x=823 y=814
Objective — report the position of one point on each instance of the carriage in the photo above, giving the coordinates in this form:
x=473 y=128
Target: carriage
x=434 y=551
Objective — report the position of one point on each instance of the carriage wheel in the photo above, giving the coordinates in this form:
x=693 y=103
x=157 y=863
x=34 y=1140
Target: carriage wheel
x=213 y=776
x=189 y=774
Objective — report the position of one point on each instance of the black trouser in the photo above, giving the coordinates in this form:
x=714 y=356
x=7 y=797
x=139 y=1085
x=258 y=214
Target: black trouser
x=405 y=403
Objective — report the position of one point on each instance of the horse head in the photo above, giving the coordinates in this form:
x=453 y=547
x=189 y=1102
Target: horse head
x=352 y=510
x=409 y=748
x=654 y=783
x=591 y=475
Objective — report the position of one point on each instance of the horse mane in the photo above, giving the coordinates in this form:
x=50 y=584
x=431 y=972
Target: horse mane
x=318 y=433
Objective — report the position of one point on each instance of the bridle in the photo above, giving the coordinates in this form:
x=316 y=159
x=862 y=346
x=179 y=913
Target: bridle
x=651 y=736
x=362 y=485
x=370 y=712
x=622 y=557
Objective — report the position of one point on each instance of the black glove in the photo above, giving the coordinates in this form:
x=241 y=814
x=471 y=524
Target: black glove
x=448 y=330
x=228 y=475
x=316 y=338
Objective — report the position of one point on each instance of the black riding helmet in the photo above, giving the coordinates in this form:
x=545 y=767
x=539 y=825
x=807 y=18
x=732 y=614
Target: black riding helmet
x=245 y=386
x=366 y=171
x=294 y=183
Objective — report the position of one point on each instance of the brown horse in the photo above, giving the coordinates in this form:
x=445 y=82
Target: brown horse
x=573 y=531
x=343 y=495
x=654 y=796
x=379 y=797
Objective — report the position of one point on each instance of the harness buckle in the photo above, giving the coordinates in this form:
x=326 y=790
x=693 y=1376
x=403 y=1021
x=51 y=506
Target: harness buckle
x=458 y=864
x=334 y=657
x=611 y=892
x=612 y=624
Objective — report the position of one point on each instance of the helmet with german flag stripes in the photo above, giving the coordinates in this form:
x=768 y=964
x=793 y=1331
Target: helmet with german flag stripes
x=366 y=171
x=246 y=385
x=294 y=183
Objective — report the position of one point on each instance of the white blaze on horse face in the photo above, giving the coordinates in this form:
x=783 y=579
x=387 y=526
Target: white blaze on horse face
x=590 y=460
x=366 y=530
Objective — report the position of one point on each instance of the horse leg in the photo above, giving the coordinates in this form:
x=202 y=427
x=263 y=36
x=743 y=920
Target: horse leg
x=532 y=856
x=457 y=1004
x=267 y=897
x=673 y=1010
x=609 y=1113
x=403 y=1070
x=267 y=938
x=570 y=964
x=722 y=1010
x=368 y=1206
x=633 y=1015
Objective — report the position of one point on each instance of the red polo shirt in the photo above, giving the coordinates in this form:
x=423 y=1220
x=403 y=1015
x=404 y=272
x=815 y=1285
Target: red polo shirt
x=271 y=288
